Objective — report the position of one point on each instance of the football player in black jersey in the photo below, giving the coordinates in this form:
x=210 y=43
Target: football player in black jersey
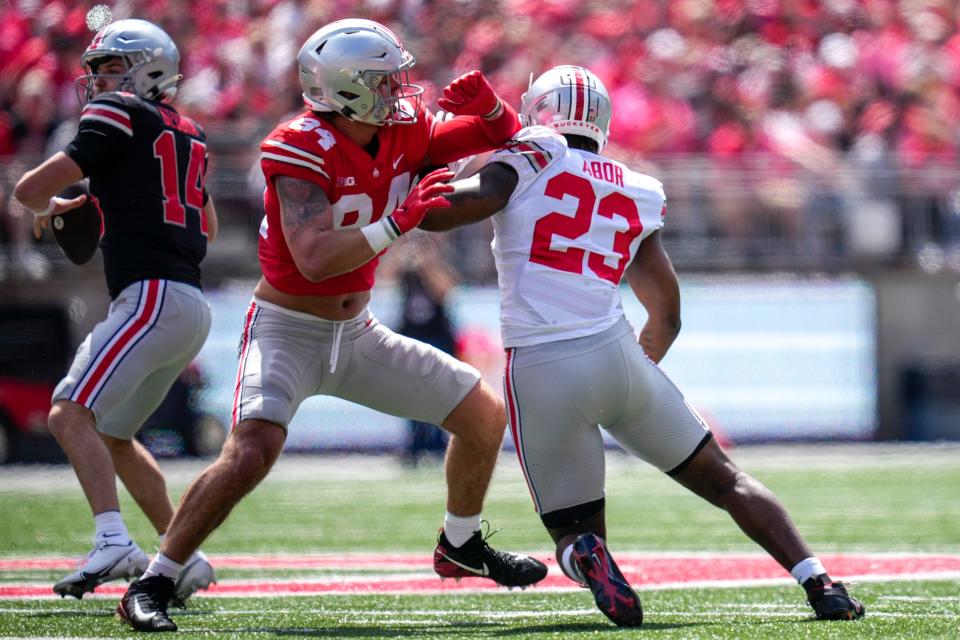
x=146 y=165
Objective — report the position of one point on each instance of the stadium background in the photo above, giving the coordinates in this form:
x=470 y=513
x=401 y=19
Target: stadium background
x=808 y=150
x=809 y=153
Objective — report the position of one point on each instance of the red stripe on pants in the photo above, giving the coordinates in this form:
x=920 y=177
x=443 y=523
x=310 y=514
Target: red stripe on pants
x=245 y=345
x=112 y=358
x=515 y=423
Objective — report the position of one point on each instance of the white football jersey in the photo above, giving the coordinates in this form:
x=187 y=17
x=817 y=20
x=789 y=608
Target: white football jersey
x=562 y=243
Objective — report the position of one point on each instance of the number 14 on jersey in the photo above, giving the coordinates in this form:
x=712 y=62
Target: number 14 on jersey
x=165 y=150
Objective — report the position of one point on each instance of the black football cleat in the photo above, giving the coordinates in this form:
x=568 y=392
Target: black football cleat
x=831 y=601
x=611 y=591
x=144 y=605
x=476 y=558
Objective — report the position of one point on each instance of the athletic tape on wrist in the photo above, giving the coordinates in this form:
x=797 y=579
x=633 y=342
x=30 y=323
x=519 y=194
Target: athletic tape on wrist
x=380 y=234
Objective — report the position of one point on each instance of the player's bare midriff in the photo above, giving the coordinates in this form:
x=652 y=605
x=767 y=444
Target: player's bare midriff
x=340 y=307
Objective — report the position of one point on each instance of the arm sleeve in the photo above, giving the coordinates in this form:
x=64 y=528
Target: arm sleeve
x=463 y=136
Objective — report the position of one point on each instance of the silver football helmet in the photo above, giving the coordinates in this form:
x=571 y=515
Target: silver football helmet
x=359 y=69
x=150 y=55
x=571 y=100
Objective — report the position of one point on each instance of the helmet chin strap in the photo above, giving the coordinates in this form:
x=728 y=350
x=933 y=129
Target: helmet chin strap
x=318 y=106
x=162 y=88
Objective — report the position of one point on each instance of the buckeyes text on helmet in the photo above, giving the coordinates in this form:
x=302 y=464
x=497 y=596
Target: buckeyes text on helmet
x=359 y=69
x=149 y=54
x=571 y=100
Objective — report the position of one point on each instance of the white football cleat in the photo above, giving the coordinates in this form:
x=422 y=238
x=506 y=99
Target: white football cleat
x=197 y=574
x=107 y=561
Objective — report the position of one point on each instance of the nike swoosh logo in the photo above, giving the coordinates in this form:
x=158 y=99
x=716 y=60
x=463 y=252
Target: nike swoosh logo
x=480 y=572
x=140 y=614
x=96 y=575
x=397 y=161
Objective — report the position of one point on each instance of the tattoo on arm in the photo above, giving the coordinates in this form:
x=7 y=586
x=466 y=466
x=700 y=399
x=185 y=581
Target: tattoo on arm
x=301 y=202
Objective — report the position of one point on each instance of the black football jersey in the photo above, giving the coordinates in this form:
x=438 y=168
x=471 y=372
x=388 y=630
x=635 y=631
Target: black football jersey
x=146 y=165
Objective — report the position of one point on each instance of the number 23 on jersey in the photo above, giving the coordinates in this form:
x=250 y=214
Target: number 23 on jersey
x=588 y=209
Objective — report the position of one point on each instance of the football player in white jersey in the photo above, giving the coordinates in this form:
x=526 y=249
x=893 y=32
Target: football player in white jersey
x=569 y=224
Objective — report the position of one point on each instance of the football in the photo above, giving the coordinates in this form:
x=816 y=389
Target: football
x=77 y=232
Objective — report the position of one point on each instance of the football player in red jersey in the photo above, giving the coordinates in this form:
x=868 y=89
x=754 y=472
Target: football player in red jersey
x=569 y=224
x=146 y=165
x=339 y=179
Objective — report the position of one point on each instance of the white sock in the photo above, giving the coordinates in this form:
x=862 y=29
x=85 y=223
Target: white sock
x=459 y=529
x=806 y=569
x=110 y=526
x=163 y=566
x=570 y=568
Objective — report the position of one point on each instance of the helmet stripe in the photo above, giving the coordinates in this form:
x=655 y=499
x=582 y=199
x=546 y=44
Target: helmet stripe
x=578 y=115
x=97 y=40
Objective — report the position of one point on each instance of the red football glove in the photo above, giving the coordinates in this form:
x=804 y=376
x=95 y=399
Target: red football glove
x=469 y=95
x=425 y=196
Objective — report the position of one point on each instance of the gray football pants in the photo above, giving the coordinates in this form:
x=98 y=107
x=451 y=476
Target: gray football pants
x=560 y=393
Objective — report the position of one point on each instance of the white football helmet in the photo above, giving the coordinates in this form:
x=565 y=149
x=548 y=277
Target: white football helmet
x=571 y=100
x=151 y=57
x=359 y=69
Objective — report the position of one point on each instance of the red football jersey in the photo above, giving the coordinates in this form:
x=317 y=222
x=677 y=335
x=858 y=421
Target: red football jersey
x=361 y=189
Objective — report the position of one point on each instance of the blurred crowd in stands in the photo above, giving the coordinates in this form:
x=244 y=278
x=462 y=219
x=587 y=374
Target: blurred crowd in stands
x=814 y=121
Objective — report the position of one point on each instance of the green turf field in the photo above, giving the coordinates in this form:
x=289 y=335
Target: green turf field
x=845 y=499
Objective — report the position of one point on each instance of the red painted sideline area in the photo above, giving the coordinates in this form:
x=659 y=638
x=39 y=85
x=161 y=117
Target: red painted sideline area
x=643 y=570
